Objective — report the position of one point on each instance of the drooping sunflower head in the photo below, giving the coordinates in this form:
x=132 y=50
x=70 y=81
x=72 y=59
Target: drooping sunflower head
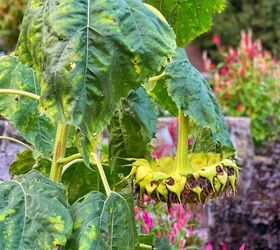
x=206 y=176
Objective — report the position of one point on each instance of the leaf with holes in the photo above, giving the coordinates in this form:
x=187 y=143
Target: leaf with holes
x=22 y=111
x=88 y=54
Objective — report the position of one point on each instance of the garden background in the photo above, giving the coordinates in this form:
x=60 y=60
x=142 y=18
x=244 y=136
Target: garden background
x=240 y=57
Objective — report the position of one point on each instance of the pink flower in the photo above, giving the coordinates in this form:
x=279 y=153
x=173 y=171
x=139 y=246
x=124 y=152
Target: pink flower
x=145 y=229
x=215 y=90
x=182 y=244
x=226 y=95
x=190 y=231
x=148 y=220
x=159 y=234
x=216 y=40
x=146 y=198
x=209 y=246
x=239 y=107
x=223 y=245
x=242 y=247
x=137 y=213
x=224 y=70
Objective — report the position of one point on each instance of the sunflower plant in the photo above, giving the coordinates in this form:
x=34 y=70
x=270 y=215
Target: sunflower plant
x=83 y=66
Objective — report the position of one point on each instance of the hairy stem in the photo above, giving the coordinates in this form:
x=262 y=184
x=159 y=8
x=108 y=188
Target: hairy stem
x=182 y=164
x=16 y=141
x=59 y=152
x=102 y=174
x=19 y=92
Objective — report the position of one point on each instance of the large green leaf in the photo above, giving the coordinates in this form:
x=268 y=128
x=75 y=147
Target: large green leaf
x=183 y=87
x=131 y=130
x=33 y=213
x=23 y=112
x=162 y=244
x=189 y=18
x=101 y=223
x=78 y=179
x=90 y=53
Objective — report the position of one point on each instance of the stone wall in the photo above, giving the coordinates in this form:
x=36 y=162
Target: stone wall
x=253 y=216
x=8 y=150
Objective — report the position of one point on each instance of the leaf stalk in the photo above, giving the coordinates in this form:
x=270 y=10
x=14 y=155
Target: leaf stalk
x=102 y=174
x=71 y=163
x=69 y=159
x=19 y=92
x=16 y=141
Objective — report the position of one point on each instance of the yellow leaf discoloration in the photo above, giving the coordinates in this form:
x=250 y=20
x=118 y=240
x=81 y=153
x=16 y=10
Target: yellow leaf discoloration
x=7 y=213
x=58 y=223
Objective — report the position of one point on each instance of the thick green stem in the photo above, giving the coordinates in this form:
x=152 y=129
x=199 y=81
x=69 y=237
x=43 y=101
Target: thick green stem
x=182 y=163
x=102 y=174
x=19 y=92
x=59 y=152
x=16 y=141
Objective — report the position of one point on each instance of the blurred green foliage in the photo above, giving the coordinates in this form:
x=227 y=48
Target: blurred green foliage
x=262 y=16
x=11 y=14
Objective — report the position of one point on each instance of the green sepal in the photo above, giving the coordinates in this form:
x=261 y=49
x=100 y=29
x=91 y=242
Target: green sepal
x=198 y=191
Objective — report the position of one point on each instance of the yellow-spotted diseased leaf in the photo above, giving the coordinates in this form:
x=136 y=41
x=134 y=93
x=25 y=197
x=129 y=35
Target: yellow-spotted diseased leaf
x=23 y=111
x=101 y=223
x=23 y=163
x=189 y=18
x=132 y=127
x=88 y=54
x=34 y=213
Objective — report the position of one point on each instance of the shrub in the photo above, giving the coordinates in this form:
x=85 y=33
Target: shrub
x=261 y=16
x=11 y=14
x=247 y=83
x=177 y=224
